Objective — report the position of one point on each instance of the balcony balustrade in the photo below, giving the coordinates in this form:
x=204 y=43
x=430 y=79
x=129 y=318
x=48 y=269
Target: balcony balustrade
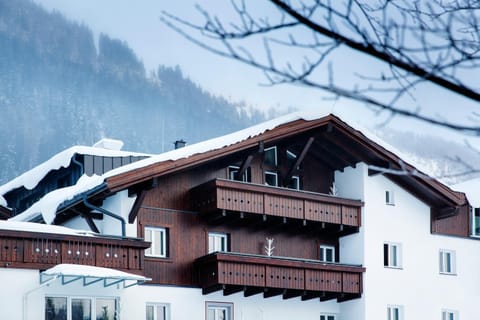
x=35 y=250
x=219 y=197
x=253 y=274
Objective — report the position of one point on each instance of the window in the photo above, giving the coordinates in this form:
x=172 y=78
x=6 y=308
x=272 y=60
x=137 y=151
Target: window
x=68 y=308
x=389 y=197
x=158 y=238
x=475 y=221
x=158 y=311
x=233 y=174
x=392 y=255
x=270 y=156
x=271 y=178
x=219 y=311
x=394 y=313
x=325 y=316
x=449 y=315
x=294 y=183
x=327 y=253
x=447 y=261
x=217 y=242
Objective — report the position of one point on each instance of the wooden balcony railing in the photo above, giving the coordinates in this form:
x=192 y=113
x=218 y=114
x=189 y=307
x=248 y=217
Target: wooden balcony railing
x=35 y=250
x=225 y=195
x=252 y=274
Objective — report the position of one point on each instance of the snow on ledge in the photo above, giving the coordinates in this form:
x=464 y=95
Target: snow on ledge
x=3 y=202
x=76 y=270
x=48 y=204
x=41 y=228
x=471 y=188
x=31 y=178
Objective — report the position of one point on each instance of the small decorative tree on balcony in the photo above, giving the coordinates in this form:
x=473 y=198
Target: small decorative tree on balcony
x=334 y=190
x=269 y=247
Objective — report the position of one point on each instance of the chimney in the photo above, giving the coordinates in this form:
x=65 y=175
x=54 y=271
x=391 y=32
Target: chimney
x=109 y=144
x=180 y=144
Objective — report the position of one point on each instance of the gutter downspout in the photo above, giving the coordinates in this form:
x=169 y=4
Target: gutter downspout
x=104 y=211
x=78 y=163
x=25 y=296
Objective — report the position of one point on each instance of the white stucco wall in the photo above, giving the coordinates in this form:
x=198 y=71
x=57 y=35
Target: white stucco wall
x=119 y=204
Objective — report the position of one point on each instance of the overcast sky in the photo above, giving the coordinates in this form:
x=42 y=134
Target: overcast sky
x=139 y=25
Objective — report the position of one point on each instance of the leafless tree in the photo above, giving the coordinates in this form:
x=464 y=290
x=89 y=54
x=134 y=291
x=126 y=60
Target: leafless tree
x=416 y=43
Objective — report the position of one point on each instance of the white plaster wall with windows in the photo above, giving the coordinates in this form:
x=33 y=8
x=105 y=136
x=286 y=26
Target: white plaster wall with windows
x=189 y=304
x=417 y=284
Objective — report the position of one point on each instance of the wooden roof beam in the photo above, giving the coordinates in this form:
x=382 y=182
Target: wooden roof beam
x=299 y=160
x=338 y=151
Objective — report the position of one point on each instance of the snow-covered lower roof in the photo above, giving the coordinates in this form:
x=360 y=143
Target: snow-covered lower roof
x=47 y=206
x=41 y=228
x=76 y=270
x=471 y=188
x=31 y=178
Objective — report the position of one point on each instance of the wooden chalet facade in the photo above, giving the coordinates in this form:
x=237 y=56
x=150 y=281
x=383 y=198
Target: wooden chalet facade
x=279 y=212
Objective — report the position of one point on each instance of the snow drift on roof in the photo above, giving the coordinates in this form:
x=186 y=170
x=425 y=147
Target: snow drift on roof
x=3 y=202
x=471 y=188
x=41 y=228
x=90 y=271
x=31 y=178
x=48 y=204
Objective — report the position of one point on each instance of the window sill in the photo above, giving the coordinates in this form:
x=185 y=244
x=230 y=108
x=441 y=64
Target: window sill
x=448 y=273
x=393 y=267
x=158 y=259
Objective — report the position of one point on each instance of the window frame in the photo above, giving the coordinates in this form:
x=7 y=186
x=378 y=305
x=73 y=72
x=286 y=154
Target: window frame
x=220 y=235
x=275 y=161
x=93 y=304
x=390 y=312
x=443 y=262
x=246 y=177
x=446 y=313
x=228 y=306
x=326 y=316
x=389 y=197
x=396 y=254
x=323 y=248
x=155 y=305
x=297 y=184
x=272 y=173
x=149 y=252
x=474 y=211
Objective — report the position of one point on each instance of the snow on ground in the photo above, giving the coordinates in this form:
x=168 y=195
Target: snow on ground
x=41 y=228
x=471 y=188
x=90 y=271
x=48 y=204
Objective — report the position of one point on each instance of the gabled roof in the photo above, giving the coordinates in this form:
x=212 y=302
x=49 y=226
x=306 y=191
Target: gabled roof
x=347 y=145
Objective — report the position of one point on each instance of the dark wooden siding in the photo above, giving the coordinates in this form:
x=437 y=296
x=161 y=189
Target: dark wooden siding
x=454 y=225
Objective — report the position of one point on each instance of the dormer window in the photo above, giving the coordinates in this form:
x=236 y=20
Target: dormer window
x=270 y=157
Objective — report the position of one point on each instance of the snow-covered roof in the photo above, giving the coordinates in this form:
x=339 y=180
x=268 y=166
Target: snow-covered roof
x=75 y=270
x=41 y=228
x=48 y=205
x=31 y=178
x=471 y=188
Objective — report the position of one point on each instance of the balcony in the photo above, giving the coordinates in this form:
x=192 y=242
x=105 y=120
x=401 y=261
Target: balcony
x=272 y=276
x=36 y=250
x=226 y=201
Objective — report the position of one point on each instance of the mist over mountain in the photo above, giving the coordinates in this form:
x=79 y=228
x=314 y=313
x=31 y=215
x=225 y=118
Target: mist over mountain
x=59 y=87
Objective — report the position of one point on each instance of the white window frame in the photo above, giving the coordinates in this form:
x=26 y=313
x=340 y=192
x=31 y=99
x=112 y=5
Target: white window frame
x=160 y=245
x=215 y=238
x=233 y=169
x=328 y=316
x=474 y=222
x=218 y=307
x=446 y=259
x=156 y=306
x=93 y=303
x=392 y=315
x=389 y=197
x=448 y=314
x=275 y=157
x=272 y=173
x=297 y=182
x=323 y=252
x=394 y=255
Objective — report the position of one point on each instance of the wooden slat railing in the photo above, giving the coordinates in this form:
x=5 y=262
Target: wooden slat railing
x=238 y=196
x=35 y=250
x=217 y=271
